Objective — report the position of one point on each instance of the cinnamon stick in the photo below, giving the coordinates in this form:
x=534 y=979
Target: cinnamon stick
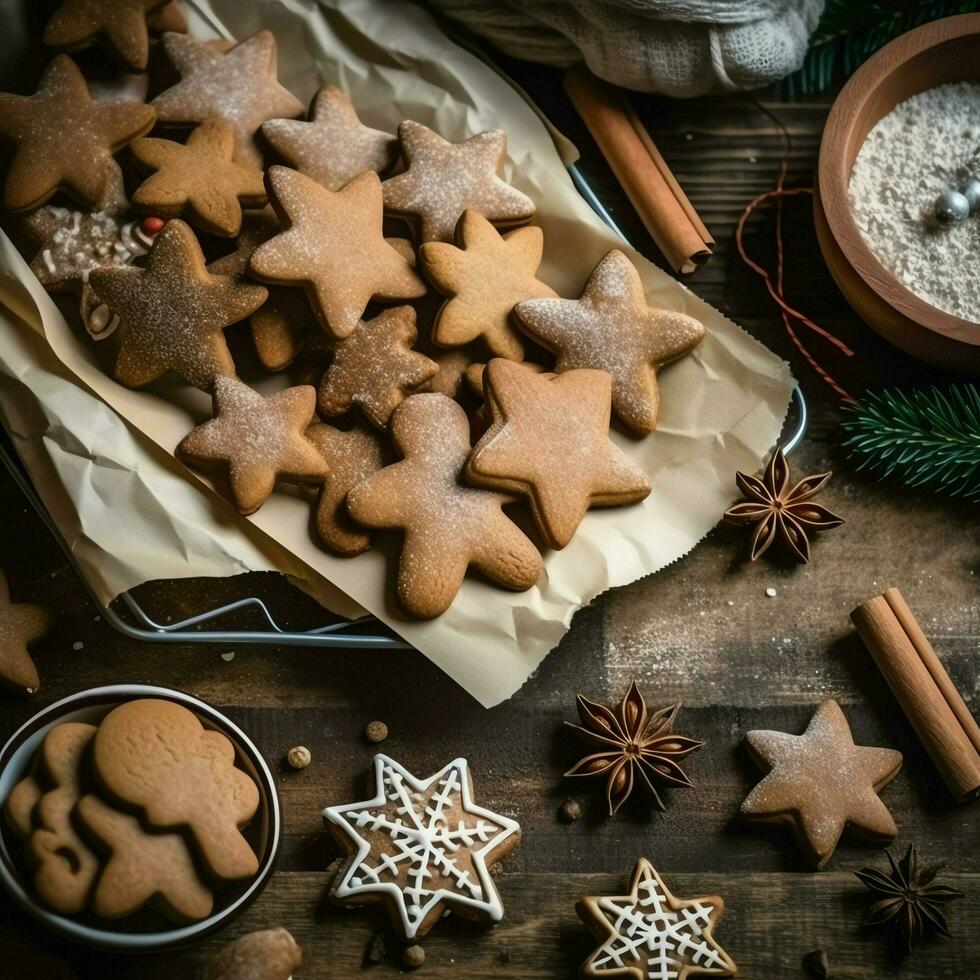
x=663 y=207
x=922 y=687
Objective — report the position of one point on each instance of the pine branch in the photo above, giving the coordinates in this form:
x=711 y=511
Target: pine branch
x=850 y=31
x=923 y=437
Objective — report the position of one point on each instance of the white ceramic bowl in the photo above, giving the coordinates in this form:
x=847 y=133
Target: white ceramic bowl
x=92 y=705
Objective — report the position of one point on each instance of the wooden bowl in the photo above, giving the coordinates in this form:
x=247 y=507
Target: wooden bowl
x=946 y=50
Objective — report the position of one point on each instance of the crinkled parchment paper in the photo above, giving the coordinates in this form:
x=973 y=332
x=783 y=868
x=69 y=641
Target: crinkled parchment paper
x=722 y=407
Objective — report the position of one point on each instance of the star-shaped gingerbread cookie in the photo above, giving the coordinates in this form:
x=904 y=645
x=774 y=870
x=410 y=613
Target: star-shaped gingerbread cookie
x=173 y=312
x=332 y=245
x=282 y=325
x=421 y=847
x=651 y=935
x=485 y=274
x=821 y=782
x=352 y=456
x=65 y=140
x=119 y=24
x=447 y=526
x=334 y=147
x=239 y=85
x=21 y=623
x=549 y=440
x=256 y=441
x=611 y=327
x=375 y=367
x=445 y=179
x=198 y=180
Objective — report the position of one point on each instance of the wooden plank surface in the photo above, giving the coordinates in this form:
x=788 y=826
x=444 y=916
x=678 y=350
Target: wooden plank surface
x=703 y=632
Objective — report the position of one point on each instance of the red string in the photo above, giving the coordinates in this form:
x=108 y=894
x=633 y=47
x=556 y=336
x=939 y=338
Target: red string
x=788 y=312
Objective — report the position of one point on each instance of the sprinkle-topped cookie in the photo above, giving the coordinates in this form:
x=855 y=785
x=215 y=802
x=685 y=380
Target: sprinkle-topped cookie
x=445 y=179
x=282 y=325
x=375 y=367
x=198 y=179
x=611 y=327
x=174 y=312
x=549 y=440
x=447 y=526
x=352 y=456
x=421 y=847
x=119 y=24
x=820 y=782
x=332 y=244
x=21 y=623
x=65 y=140
x=257 y=440
x=239 y=85
x=334 y=147
x=484 y=275
x=650 y=935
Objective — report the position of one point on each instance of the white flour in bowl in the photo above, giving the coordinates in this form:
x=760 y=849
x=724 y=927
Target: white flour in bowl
x=924 y=145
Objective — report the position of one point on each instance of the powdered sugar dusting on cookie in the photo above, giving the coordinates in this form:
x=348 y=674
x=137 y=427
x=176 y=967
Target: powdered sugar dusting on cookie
x=448 y=526
x=445 y=179
x=612 y=328
x=334 y=147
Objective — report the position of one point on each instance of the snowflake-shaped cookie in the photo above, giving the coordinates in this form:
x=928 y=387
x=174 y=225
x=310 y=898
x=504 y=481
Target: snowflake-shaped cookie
x=650 y=935
x=420 y=845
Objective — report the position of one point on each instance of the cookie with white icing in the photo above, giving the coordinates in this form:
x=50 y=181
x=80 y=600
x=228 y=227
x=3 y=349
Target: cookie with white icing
x=420 y=848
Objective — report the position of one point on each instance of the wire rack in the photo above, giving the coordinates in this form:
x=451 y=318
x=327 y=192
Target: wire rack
x=130 y=618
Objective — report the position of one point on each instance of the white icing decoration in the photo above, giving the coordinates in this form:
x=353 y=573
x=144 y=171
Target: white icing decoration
x=646 y=928
x=423 y=845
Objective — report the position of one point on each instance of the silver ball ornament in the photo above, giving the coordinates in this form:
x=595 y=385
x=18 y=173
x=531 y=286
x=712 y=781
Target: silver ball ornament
x=951 y=207
x=971 y=191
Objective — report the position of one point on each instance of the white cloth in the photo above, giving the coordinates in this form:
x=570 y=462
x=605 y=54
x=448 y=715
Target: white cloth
x=681 y=48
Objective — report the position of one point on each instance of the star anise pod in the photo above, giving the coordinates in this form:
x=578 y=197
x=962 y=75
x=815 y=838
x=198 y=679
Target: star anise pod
x=635 y=747
x=779 y=511
x=910 y=903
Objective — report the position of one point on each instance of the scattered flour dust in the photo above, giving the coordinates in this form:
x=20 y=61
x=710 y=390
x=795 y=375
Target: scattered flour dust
x=924 y=145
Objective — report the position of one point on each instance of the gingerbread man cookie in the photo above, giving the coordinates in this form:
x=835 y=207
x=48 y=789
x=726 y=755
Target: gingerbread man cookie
x=21 y=623
x=611 y=328
x=174 y=312
x=447 y=526
x=334 y=147
x=157 y=758
x=120 y=24
x=239 y=85
x=198 y=179
x=375 y=367
x=65 y=140
x=18 y=807
x=484 y=275
x=257 y=440
x=62 y=865
x=332 y=245
x=352 y=456
x=549 y=440
x=445 y=179
x=141 y=867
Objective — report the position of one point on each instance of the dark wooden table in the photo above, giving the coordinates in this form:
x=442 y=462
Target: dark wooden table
x=703 y=631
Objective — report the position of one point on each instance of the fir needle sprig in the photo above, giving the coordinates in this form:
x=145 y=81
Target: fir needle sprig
x=923 y=437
